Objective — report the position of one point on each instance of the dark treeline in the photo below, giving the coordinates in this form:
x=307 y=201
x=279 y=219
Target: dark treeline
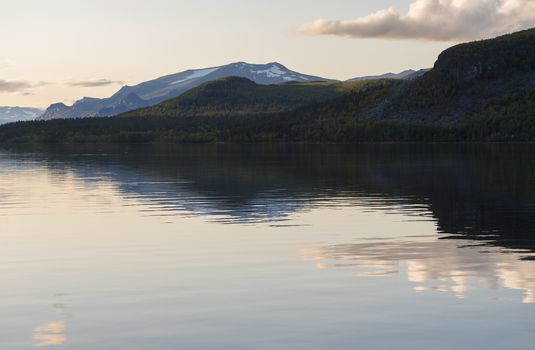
x=512 y=119
x=339 y=119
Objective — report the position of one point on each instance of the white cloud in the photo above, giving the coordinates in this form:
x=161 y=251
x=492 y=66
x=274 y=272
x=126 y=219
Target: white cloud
x=434 y=20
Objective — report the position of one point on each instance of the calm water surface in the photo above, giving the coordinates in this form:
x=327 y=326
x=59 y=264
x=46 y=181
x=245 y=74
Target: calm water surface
x=268 y=247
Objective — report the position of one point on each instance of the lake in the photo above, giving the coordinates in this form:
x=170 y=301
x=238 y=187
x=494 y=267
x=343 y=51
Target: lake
x=267 y=247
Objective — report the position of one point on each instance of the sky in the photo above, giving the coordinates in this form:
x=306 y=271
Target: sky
x=62 y=50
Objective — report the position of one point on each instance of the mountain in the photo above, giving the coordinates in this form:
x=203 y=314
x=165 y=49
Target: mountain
x=14 y=114
x=478 y=91
x=164 y=88
x=468 y=80
x=241 y=96
x=405 y=75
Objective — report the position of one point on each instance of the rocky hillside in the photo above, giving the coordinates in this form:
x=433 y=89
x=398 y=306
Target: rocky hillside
x=465 y=81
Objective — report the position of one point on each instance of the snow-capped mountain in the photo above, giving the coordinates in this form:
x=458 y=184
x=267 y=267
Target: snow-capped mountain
x=405 y=75
x=15 y=114
x=155 y=91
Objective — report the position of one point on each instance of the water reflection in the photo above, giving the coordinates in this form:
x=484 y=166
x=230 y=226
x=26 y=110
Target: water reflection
x=432 y=265
x=478 y=192
x=202 y=240
x=483 y=193
x=50 y=334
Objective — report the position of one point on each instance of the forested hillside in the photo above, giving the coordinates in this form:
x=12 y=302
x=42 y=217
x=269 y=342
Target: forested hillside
x=240 y=96
x=465 y=81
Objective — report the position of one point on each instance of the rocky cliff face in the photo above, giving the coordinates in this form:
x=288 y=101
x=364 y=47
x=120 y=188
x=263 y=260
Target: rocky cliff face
x=55 y=111
x=486 y=59
x=464 y=80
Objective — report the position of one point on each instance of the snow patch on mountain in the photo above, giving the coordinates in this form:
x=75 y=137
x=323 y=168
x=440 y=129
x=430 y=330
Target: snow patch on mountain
x=196 y=74
x=272 y=72
x=10 y=114
x=152 y=92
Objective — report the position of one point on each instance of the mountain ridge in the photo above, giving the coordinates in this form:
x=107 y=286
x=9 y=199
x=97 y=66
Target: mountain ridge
x=408 y=74
x=241 y=96
x=169 y=86
x=10 y=114
x=465 y=80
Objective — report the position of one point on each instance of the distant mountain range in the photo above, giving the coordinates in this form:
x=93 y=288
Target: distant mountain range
x=164 y=88
x=152 y=92
x=405 y=75
x=478 y=91
x=15 y=114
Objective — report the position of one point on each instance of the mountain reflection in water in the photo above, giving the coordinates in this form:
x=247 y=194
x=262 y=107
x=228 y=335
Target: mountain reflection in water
x=476 y=192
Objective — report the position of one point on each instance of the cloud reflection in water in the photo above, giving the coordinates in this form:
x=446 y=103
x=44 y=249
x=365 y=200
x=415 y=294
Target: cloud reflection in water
x=50 y=334
x=443 y=265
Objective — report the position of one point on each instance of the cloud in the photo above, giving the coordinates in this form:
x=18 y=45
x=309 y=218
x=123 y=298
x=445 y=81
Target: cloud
x=434 y=20
x=23 y=87
x=93 y=83
x=14 y=86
